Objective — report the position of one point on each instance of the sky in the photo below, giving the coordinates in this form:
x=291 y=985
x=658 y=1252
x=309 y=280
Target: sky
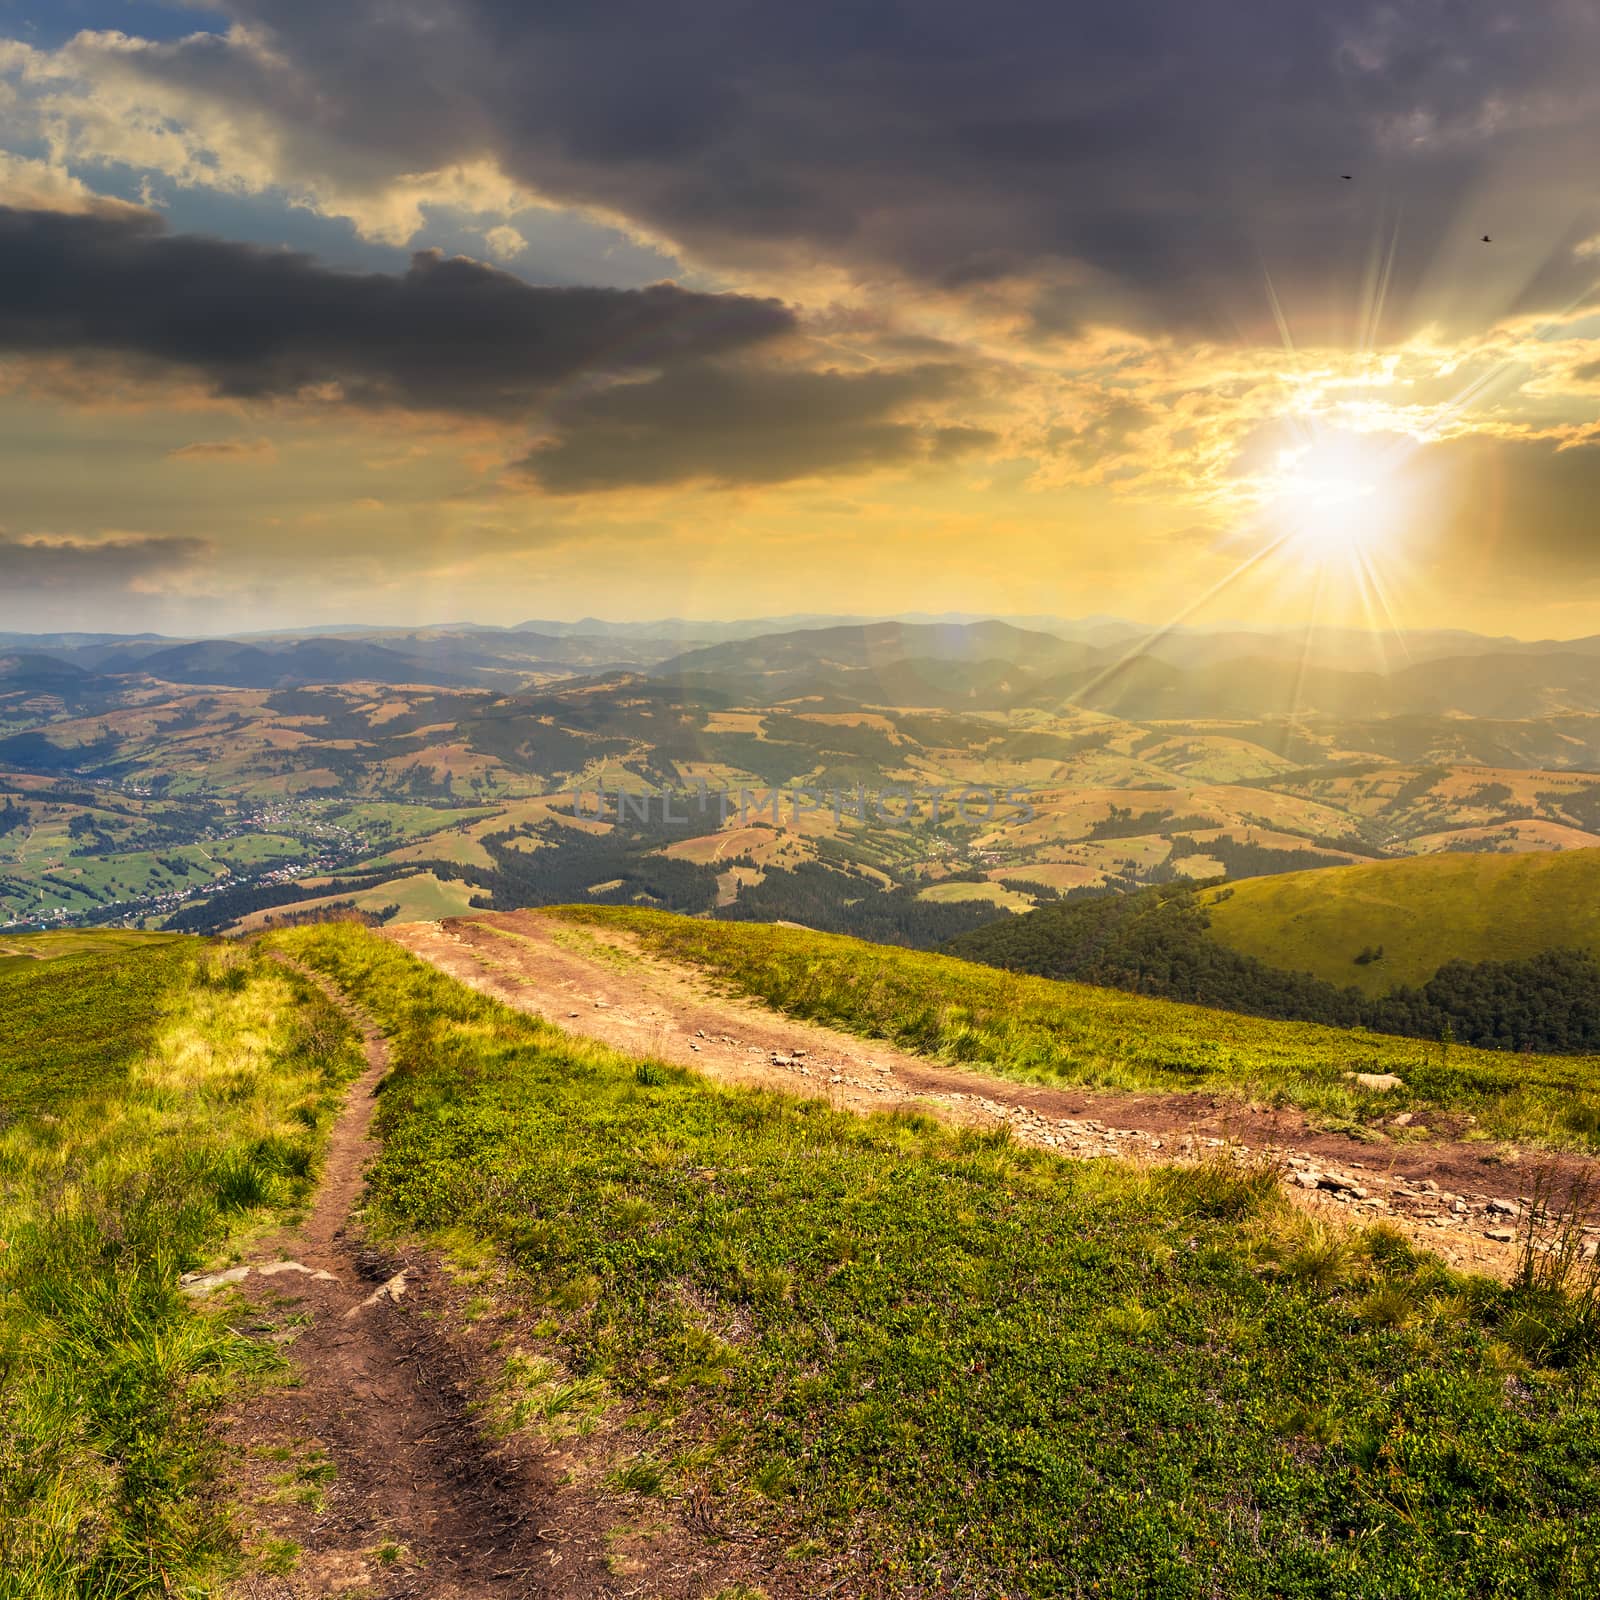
x=447 y=309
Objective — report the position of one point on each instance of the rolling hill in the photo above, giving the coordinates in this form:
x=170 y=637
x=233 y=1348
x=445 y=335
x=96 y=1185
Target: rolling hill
x=1422 y=910
x=1498 y=951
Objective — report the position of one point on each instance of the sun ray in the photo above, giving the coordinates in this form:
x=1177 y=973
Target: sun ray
x=1147 y=641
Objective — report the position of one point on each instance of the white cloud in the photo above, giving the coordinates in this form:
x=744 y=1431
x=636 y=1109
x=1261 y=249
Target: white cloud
x=505 y=243
x=33 y=185
x=104 y=99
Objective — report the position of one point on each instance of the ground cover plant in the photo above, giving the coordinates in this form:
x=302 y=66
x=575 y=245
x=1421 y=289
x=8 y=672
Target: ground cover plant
x=1423 y=911
x=157 y=1099
x=1042 y=1030
x=928 y=1361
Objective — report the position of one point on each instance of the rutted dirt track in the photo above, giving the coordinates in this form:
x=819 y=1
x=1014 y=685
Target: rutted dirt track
x=1451 y=1197
x=370 y=1462
x=372 y=1473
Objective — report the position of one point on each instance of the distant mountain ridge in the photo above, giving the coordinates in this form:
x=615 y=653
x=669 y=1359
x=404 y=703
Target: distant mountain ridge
x=996 y=666
x=951 y=662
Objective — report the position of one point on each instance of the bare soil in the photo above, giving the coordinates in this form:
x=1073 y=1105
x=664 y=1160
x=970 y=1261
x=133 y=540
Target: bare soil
x=372 y=1472
x=370 y=1461
x=1448 y=1194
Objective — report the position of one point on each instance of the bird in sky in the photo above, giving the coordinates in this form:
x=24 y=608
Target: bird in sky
x=1487 y=239
x=1347 y=176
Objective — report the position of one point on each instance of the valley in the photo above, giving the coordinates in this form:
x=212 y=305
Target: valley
x=1038 y=766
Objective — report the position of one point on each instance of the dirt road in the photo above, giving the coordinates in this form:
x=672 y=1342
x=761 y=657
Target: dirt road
x=368 y=1473
x=1462 y=1201
x=375 y=1472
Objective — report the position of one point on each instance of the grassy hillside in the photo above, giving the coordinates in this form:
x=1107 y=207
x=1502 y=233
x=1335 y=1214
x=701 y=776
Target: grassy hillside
x=157 y=1097
x=1041 y=1030
x=927 y=1362
x=1424 y=911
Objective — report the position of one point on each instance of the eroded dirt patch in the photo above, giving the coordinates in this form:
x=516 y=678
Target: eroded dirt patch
x=1463 y=1201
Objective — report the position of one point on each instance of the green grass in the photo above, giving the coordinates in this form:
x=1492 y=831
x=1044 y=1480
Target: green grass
x=995 y=894
x=69 y=942
x=78 y=1009
x=931 y=1362
x=1040 y=1030
x=157 y=1101
x=1424 y=911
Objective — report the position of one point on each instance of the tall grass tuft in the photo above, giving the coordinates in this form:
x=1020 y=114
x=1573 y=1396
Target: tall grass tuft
x=123 y=1177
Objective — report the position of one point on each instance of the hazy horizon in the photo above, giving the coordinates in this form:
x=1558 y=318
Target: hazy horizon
x=664 y=626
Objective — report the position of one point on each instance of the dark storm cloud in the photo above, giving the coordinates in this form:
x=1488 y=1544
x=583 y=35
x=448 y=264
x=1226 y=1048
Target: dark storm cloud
x=36 y=563
x=448 y=335
x=1514 y=508
x=1152 y=156
x=747 y=425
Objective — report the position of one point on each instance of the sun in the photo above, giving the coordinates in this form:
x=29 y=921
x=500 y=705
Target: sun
x=1334 y=501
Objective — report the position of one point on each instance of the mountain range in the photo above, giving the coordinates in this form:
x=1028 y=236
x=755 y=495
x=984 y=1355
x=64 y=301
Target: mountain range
x=986 y=664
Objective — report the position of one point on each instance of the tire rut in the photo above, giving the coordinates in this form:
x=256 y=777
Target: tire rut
x=371 y=1462
x=1460 y=1201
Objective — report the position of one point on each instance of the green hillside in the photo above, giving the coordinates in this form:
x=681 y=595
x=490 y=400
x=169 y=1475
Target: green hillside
x=1423 y=911
x=913 y=1360
x=887 y=1356
x=1043 y=1030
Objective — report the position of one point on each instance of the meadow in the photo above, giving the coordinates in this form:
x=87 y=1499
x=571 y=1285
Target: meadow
x=1421 y=912
x=160 y=1099
x=927 y=1361
x=1039 y=1030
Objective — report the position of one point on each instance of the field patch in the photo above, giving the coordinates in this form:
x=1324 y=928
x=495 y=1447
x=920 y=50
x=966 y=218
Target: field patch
x=994 y=894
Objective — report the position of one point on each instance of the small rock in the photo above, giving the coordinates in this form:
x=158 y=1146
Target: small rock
x=1402 y=1121
x=1500 y=1235
x=1378 y=1082
x=391 y=1291
x=1503 y=1208
x=199 y=1283
x=1308 y=1180
x=277 y=1267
